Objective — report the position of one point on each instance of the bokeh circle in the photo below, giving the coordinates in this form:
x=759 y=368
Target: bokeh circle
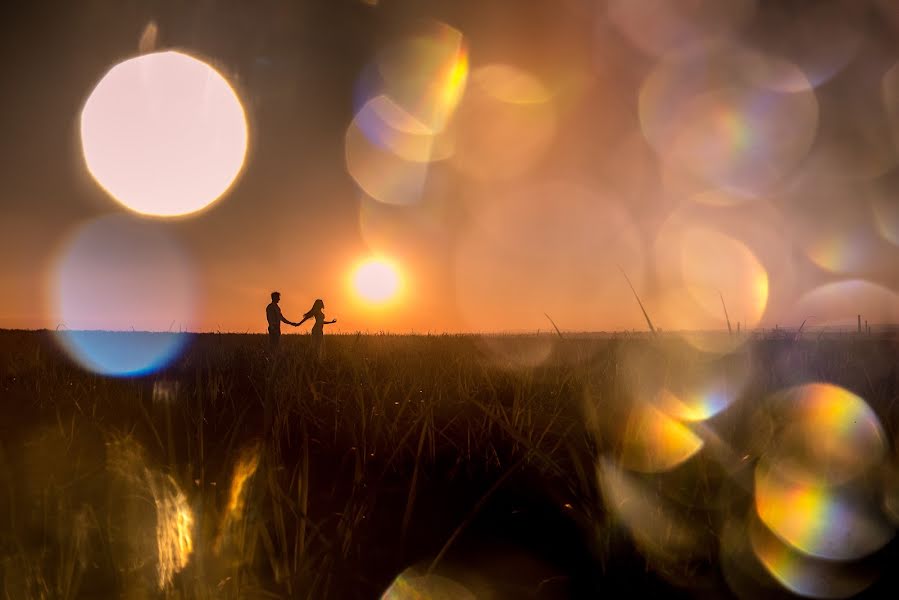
x=164 y=134
x=123 y=290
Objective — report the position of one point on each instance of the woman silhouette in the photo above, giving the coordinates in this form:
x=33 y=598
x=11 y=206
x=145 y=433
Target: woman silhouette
x=318 y=329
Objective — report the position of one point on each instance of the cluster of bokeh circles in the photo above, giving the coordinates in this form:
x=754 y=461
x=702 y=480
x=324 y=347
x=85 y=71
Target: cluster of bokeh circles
x=434 y=136
x=744 y=111
x=405 y=99
x=164 y=135
x=749 y=175
x=819 y=515
x=794 y=489
x=655 y=436
x=753 y=142
x=769 y=146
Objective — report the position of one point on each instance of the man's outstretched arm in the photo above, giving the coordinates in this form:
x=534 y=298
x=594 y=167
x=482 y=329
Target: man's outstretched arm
x=283 y=320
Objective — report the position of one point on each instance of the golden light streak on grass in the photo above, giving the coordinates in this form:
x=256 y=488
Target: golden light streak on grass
x=174 y=526
x=244 y=470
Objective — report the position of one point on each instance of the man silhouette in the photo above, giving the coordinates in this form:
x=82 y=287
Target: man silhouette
x=274 y=316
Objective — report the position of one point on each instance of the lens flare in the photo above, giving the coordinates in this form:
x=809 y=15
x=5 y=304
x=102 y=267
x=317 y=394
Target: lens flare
x=654 y=442
x=166 y=392
x=685 y=384
x=837 y=304
x=828 y=435
x=697 y=404
x=378 y=170
x=818 y=520
x=164 y=134
x=655 y=527
x=806 y=576
x=744 y=281
x=510 y=85
x=799 y=36
x=174 y=527
x=886 y=215
x=387 y=125
x=406 y=105
x=426 y=73
x=841 y=252
x=723 y=113
x=720 y=197
x=811 y=488
x=244 y=470
x=742 y=574
x=413 y=585
x=708 y=280
x=503 y=125
x=833 y=224
x=116 y=273
x=659 y=28
x=890 y=95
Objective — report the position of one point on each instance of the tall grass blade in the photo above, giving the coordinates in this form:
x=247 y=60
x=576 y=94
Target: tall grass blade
x=645 y=314
x=799 y=331
x=559 y=333
x=726 y=317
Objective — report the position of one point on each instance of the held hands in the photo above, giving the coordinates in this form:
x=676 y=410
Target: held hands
x=301 y=322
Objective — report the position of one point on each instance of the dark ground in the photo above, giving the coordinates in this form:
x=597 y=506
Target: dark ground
x=452 y=452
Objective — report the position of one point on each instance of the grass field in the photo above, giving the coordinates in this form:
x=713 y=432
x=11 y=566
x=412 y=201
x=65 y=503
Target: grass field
x=514 y=467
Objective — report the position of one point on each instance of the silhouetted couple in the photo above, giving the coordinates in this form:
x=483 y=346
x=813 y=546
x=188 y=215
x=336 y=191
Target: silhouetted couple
x=274 y=316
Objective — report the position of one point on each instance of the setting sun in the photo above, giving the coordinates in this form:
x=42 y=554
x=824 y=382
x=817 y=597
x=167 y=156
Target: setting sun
x=164 y=134
x=376 y=281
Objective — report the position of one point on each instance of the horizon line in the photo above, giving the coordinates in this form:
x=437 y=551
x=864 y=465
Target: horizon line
x=548 y=331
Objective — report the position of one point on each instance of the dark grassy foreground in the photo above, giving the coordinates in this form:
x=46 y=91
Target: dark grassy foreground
x=293 y=478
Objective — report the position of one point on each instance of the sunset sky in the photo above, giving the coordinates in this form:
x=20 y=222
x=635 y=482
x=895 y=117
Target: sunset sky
x=505 y=159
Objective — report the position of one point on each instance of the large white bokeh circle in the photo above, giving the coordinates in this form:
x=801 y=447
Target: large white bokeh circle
x=164 y=134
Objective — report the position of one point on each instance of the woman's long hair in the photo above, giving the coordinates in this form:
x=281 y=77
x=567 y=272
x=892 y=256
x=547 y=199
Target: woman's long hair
x=317 y=306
